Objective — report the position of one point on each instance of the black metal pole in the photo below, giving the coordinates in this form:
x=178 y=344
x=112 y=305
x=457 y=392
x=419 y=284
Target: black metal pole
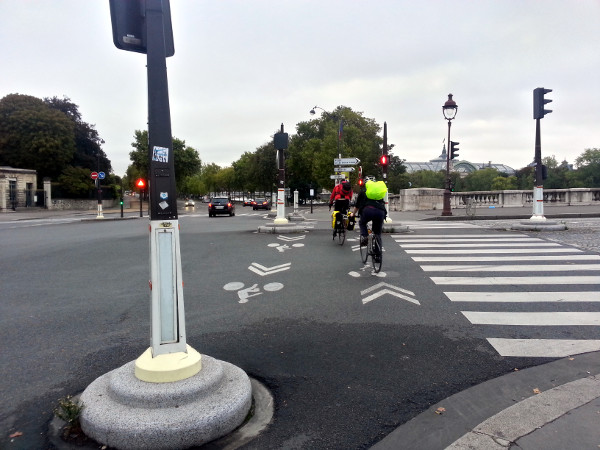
x=538 y=155
x=447 y=209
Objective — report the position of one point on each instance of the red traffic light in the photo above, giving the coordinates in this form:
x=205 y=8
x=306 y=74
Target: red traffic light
x=140 y=183
x=360 y=182
x=383 y=160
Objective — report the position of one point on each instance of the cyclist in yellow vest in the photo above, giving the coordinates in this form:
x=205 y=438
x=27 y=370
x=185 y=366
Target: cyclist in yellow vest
x=370 y=205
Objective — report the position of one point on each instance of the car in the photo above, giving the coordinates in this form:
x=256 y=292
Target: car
x=221 y=205
x=261 y=203
x=189 y=202
x=248 y=202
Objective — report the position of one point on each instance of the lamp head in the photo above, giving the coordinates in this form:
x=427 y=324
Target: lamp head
x=450 y=108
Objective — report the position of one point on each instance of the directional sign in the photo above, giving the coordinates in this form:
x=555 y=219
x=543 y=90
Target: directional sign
x=101 y=175
x=337 y=177
x=344 y=169
x=94 y=175
x=346 y=161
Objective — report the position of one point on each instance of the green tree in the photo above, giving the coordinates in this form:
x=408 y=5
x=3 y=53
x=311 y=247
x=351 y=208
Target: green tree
x=75 y=182
x=35 y=136
x=427 y=178
x=88 y=152
x=588 y=168
x=502 y=183
x=480 y=180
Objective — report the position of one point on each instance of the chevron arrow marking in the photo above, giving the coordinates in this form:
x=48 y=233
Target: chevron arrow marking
x=388 y=289
x=262 y=270
x=289 y=238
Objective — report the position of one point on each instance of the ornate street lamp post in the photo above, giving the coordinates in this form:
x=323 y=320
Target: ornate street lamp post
x=449 y=109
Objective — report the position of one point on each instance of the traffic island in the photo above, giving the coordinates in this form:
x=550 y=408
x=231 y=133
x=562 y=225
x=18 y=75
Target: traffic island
x=539 y=225
x=282 y=228
x=122 y=411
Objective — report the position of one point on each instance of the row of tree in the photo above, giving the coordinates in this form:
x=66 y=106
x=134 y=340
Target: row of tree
x=50 y=136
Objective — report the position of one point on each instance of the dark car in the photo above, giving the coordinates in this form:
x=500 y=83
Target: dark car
x=248 y=202
x=261 y=203
x=221 y=205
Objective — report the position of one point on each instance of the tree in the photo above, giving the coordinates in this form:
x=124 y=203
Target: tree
x=480 y=180
x=75 y=182
x=428 y=178
x=35 y=136
x=88 y=152
x=588 y=168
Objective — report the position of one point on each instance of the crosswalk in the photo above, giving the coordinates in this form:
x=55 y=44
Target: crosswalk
x=522 y=290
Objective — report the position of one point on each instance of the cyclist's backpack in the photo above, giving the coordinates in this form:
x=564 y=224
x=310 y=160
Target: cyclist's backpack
x=376 y=190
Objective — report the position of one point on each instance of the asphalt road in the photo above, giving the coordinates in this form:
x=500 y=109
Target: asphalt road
x=346 y=358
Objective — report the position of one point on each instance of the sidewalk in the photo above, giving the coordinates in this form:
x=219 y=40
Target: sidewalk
x=551 y=406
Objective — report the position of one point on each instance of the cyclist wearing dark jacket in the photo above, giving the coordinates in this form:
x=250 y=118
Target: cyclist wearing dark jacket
x=370 y=211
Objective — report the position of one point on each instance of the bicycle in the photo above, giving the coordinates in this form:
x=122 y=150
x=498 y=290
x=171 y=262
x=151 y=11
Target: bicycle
x=373 y=248
x=340 y=226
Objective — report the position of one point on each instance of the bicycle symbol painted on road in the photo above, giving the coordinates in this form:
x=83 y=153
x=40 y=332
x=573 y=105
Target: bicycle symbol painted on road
x=252 y=291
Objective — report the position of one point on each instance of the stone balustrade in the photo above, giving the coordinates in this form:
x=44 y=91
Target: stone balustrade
x=423 y=199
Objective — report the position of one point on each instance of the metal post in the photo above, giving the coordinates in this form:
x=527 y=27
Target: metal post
x=447 y=211
x=281 y=143
x=168 y=318
x=538 y=188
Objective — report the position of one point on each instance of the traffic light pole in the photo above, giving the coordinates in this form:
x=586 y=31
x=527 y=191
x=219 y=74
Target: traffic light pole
x=168 y=336
x=538 y=188
x=384 y=170
x=280 y=141
x=447 y=208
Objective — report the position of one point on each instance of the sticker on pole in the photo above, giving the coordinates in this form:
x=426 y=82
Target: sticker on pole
x=160 y=154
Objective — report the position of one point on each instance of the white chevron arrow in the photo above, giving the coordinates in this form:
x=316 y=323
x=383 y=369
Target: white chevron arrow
x=290 y=238
x=262 y=270
x=387 y=289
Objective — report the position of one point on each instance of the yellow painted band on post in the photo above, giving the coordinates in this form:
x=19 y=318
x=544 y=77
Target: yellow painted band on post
x=168 y=367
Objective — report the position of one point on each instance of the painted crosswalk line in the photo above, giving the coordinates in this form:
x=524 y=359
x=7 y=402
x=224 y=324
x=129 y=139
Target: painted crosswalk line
x=532 y=318
x=524 y=297
x=487 y=251
x=489 y=281
x=543 y=348
x=513 y=258
x=511 y=268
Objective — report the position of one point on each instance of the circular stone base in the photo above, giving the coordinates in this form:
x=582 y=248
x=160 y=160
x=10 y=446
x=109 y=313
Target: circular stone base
x=535 y=225
x=124 y=412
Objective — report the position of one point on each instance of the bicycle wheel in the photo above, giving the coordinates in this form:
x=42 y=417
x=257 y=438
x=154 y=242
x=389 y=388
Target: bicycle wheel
x=342 y=235
x=377 y=253
x=364 y=253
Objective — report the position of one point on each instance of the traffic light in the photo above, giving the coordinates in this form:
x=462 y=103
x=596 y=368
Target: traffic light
x=140 y=183
x=383 y=160
x=360 y=182
x=539 y=101
x=121 y=201
x=454 y=149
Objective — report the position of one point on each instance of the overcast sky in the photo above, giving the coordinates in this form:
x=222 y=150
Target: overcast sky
x=243 y=67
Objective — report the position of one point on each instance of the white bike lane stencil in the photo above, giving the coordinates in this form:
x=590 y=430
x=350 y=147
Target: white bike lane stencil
x=252 y=291
x=283 y=247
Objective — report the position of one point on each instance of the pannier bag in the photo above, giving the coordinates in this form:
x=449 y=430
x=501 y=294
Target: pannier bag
x=351 y=222
x=376 y=190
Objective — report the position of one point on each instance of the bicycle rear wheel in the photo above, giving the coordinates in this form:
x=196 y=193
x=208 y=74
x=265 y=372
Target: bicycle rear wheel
x=341 y=234
x=377 y=253
x=364 y=253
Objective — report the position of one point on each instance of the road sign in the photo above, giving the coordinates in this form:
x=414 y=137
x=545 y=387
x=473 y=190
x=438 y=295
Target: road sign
x=344 y=169
x=346 y=161
x=101 y=175
x=337 y=177
x=94 y=175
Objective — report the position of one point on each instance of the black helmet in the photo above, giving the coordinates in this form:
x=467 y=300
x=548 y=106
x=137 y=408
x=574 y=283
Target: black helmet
x=346 y=186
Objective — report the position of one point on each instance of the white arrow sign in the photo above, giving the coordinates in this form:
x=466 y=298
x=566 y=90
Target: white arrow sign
x=262 y=270
x=344 y=169
x=384 y=290
x=346 y=161
x=337 y=177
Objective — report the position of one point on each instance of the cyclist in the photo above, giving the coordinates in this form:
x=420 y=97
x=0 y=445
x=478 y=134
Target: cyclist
x=370 y=205
x=340 y=196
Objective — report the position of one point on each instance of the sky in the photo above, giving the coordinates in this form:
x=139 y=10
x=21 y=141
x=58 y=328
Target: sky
x=243 y=67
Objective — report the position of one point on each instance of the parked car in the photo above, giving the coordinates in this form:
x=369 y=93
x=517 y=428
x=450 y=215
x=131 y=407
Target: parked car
x=221 y=205
x=189 y=202
x=248 y=202
x=261 y=203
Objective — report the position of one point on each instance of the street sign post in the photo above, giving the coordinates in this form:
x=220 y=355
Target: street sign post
x=94 y=175
x=344 y=169
x=346 y=161
x=337 y=177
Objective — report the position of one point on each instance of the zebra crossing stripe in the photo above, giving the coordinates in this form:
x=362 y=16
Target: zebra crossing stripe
x=543 y=348
x=489 y=251
x=532 y=318
x=470 y=236
x=487 y=245
x=512 y=268
x=457 y=240
x=524 y=297
x=506 y=258
x=498 y=281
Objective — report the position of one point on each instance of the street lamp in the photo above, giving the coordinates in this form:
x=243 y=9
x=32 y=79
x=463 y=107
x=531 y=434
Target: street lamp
x=449 y=109
x=340 y=131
